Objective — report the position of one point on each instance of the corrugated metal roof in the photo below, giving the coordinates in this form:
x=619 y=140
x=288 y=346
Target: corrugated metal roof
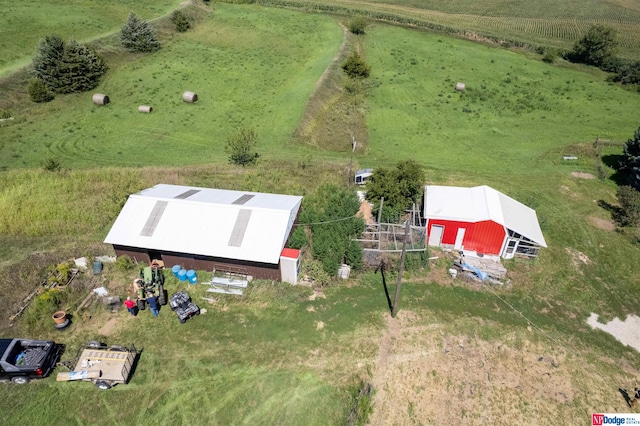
x=207 y=222
x=482 y=203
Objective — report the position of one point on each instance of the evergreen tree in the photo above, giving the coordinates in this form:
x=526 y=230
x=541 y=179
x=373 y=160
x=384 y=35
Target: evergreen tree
x=80 y=68
x=630 y=163
x=65 y=67
x=138 y=36
x=180 y=21
x=47 y=59
x=38 y=91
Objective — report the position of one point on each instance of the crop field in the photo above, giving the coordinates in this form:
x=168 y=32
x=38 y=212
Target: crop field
x=554 y=24
x=458 y=351
x=23 y=24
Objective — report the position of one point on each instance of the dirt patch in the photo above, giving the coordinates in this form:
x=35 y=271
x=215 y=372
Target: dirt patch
x=600 y=223
x=577 y=257
x=583 y=175
x=319 y=325
x=627 y=332
x=423 y=374
x=107 y=329
x=365 y=212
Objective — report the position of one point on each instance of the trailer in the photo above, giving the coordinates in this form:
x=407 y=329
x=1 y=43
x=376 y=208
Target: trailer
x=102 y=365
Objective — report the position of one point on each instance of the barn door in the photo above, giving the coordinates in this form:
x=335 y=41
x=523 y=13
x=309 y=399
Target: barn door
x=459 y=239
x=435 y=235
x=510 y=249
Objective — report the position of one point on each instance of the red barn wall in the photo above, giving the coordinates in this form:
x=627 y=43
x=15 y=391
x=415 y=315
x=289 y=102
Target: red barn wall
x=484 y=237
x=487 y=237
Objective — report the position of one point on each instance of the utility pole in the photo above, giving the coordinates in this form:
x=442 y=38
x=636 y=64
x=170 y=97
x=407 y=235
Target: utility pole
x=394 y=311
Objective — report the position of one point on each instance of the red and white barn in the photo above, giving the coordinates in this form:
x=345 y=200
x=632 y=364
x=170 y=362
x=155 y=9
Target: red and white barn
x=481 y=219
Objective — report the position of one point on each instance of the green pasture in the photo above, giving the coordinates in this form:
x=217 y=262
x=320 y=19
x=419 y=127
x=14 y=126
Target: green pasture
x=23 y=24
x=517 y=116
x=556 y=24
x=249 y=66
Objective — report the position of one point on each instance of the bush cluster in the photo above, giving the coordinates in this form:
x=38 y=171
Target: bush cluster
x=64 y=68
x=330 y=211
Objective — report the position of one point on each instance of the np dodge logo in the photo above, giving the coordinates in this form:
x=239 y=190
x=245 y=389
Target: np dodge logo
x=597 y=419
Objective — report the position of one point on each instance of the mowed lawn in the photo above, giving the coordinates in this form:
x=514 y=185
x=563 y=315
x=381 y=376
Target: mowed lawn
x=517 y=116
x=23 y=24
x=249 y=66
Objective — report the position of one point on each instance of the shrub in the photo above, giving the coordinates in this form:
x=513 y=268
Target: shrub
x=313 y=270
x=357 y=24
x=38 y=91
x=51 y=165
x=181 y=22
x=241 y=147
x=630 y=163
x=629 y=213
x=298 y=238
x=124 y=263
x=356 y=67
x=138 y=36
x=5 y=113
x=549 y=56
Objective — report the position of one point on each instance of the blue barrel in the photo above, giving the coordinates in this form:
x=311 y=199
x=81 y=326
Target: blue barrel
x=191 y=276
x=182 y=275
x=175 y=270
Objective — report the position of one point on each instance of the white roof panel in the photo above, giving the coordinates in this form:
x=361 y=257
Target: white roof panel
x=202 y=221
x=482 y=203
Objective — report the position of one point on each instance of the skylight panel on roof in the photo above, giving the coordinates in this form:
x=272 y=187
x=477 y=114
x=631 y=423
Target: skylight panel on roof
x=154 y=218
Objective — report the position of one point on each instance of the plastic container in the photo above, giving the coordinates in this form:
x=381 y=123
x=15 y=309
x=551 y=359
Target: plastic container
x=175 y=270
x=97 y=267
x=191 y=276
x=182 y=275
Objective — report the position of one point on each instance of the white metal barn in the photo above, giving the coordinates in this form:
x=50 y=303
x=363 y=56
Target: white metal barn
x=205 y=229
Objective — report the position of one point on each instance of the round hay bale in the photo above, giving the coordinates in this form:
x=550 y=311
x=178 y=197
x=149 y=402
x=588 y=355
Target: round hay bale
x=460 y=87
x=145 y=108
x=100 y=99
x=189 y=97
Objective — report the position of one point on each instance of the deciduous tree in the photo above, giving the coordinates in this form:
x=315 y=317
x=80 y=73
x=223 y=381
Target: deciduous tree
x=596 y=47
x=241 y=147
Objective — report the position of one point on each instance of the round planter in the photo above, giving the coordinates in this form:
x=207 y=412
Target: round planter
x=59 y=317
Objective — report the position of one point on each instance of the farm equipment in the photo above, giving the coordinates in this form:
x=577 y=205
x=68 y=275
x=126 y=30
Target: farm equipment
x=105 y=366
x=183 y=306
x=151 y=280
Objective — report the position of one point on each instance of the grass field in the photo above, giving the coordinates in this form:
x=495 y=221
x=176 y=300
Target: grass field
x=249 y=70
x=23 y=24
x=458 y=351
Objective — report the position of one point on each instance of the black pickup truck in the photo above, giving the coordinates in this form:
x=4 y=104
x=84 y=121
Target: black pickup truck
x=24 y=359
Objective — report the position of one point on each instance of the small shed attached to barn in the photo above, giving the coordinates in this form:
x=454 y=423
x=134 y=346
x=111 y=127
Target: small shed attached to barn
x=481 y=219
x=205 y=229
